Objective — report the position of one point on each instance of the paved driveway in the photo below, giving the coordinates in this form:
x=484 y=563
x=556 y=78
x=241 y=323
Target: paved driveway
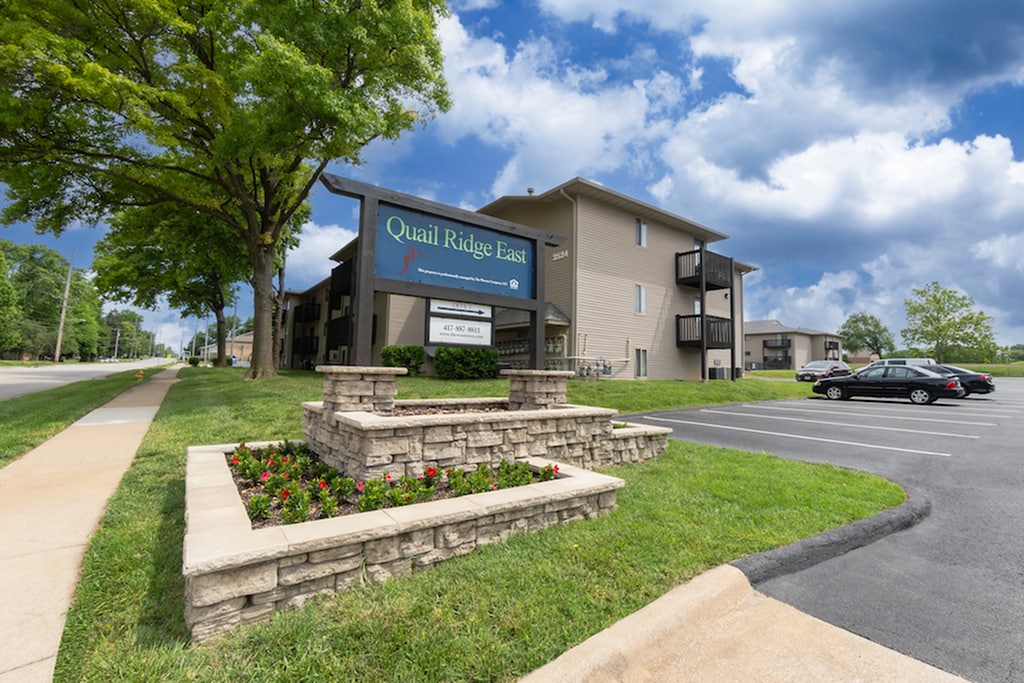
x=949 y=591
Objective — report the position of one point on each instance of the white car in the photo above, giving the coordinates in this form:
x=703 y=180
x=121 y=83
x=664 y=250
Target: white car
x=901 y=361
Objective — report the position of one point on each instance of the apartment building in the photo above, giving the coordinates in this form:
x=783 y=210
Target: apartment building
x=632 y=292
x=770 y=345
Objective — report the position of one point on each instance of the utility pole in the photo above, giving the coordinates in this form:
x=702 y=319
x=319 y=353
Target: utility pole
x=117 y=338
x=64 y=310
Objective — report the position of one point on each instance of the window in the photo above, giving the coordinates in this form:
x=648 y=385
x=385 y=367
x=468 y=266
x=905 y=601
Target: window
x=697 y=307
x=641 y=362
x=641 y=299
x=641 y=232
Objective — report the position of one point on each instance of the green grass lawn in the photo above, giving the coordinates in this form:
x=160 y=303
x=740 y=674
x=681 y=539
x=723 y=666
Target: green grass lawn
x=32 y=419
x=495 y=614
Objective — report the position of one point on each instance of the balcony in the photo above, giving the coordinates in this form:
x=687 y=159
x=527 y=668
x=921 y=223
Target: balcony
x=717 y=269
x=307 y=313
x=777 y=363
x=776 y=344
x=831 y=346
x=691 y=329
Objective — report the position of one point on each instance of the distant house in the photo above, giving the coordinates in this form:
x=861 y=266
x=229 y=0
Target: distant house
x=770 y=345
x=239 y=347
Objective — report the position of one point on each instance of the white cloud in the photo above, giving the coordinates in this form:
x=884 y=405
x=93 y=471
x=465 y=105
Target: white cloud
x=310 y=262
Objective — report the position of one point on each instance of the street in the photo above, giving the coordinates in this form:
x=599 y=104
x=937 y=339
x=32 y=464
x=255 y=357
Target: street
x=18 y=381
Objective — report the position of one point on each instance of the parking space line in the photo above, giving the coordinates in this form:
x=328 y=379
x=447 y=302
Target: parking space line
x=842 y=424
x=874 y=416
x=798 y=436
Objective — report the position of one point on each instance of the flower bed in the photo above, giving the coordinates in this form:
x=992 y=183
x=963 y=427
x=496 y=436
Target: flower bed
x=287 y=484
x=235 y=574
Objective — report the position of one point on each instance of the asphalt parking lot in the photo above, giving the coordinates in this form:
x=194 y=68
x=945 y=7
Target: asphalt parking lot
x=948 y=591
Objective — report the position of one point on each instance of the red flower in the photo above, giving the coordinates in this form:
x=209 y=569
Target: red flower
x=235 y=460
x=285 y=475
x=359 y=487
x=284 y=461
x=265 y=476
x=431 y=472
x=270 y=462
x=556 y=469
x=284 y=494
x=322 y=484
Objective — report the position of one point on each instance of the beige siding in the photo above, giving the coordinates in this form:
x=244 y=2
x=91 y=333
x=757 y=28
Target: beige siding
x=611 y=265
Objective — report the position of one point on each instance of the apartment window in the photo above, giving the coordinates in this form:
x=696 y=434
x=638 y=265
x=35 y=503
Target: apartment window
x=641 y=232
x=641 y=299
x=641 y=362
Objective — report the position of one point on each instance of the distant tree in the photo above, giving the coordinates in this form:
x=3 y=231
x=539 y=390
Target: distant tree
x=1016 y=352
x=945 y=321
x=10 y=311
x=127 y=338
x=230 y=108
x=865 y=331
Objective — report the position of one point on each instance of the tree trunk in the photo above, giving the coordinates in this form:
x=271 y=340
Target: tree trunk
x=279 y=315
x=222 y=337
x=263 y=316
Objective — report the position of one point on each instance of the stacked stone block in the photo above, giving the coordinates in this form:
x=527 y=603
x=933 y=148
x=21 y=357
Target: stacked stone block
x=236 y=575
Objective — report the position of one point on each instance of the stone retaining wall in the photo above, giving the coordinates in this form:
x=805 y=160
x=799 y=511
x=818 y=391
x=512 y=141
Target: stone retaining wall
x=237 y=575
x=534 y=421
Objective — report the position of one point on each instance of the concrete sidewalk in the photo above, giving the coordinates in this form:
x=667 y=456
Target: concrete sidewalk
x=717 y=629
x=714 y=628
x=51 y=502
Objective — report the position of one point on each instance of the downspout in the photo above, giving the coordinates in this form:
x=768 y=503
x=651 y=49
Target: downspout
x=574 y=314
x=703 y=315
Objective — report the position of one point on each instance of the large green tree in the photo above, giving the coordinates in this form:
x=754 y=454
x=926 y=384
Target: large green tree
x=231 y=108
x=945 y=321
x=865 y=331
x=10 y=311
x=185 y=257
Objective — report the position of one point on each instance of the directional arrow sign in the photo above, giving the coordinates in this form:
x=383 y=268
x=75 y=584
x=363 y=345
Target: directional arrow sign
x=460 y=308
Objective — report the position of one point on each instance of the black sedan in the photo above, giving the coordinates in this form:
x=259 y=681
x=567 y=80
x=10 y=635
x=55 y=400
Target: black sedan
x=893 y=381
x=817 y=369
x=973 y=382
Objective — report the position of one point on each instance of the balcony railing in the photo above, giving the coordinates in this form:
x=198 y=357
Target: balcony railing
x=777 y=363
x=691 y=329
x=776 y=343
x=717 y=269
x=831 y=346
x=307 y=313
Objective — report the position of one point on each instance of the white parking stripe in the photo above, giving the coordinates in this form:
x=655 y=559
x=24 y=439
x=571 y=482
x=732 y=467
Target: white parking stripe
x=798 y=436
x=843 y=424
x=873 y=416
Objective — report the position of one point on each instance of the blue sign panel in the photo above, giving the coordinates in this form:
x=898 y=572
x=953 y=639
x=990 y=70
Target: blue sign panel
x=418 y=247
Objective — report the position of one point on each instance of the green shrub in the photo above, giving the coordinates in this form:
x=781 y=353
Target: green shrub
x=465 y=363
x=399 y=356
x=194 y=360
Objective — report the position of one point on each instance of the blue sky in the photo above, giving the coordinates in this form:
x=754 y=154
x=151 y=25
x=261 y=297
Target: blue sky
x=851 y=151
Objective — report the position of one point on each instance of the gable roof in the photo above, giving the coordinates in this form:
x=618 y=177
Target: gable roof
x=775 y=327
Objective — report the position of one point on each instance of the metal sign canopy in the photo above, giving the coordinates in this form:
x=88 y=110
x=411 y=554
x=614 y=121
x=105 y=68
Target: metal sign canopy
x=416 y=247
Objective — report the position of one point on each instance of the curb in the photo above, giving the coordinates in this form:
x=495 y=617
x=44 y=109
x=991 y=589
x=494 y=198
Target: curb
x=808 y=552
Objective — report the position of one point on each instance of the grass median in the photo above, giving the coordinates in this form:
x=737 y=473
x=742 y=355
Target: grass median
x=495 y=614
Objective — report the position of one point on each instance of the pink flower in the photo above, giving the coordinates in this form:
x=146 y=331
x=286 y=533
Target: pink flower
x=494 y=486
x=265 y=476
x=387 y=477
x=359 y=487
x=556 y=469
